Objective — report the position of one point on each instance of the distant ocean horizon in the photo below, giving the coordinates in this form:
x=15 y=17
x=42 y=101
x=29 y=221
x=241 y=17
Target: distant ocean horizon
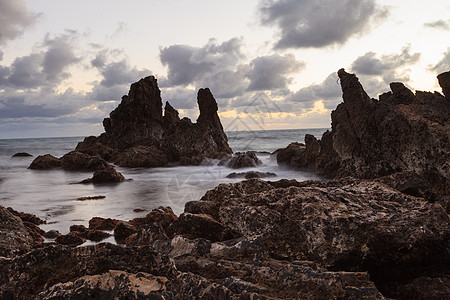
x=52 y=194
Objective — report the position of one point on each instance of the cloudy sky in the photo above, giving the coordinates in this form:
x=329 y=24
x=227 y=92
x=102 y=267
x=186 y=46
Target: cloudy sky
x=271 y=64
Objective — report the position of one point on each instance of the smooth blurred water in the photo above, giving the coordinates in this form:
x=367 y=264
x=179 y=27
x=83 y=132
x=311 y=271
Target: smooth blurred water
x=52 y=194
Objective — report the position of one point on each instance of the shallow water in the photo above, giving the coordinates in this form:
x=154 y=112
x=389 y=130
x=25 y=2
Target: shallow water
x=52 y=194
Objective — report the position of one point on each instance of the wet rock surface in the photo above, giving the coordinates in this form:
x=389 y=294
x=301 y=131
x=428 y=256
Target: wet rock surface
x=243 y=160
x=137 y=134
x=251 y=174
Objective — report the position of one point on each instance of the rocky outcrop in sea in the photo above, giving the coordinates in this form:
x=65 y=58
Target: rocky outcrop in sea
x=138 y=134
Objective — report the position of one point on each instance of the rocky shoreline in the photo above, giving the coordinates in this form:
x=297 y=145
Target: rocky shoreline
x=378 y=229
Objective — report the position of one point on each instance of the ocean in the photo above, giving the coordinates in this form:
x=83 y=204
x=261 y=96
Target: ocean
x=52 y=194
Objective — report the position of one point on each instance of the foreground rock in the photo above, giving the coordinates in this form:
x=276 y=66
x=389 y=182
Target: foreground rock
x=137 y=134
x=14 y=237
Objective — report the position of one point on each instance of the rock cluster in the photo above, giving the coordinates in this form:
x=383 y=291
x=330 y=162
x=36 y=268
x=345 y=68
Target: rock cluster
x=402 y=135
x=137 y=134
x=343 y=239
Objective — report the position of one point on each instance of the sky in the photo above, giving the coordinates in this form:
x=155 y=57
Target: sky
x=271 y=64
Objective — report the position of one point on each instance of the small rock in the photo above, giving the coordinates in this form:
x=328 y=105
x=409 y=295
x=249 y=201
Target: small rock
x=70 y=239
x=45 y=162
x=97 y=235
x=97 y=223
x=122 y=231
x=244 y=160
x=251 y=174
x=52 y=234
x=22 y=154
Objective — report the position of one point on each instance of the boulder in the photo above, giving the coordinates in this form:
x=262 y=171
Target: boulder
x=109 y=175
x=14 y=236
x=200 y=226
x=78 y=161
x=45 y=162
x=72 y=239
x=122 y=231
x=244 y=160
x=97 y=235
x=284 y=156
x=138 y=135
x=98 y=223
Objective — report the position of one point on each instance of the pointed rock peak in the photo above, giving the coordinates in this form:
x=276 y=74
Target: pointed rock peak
x=444 y=82
x=145 y=96
x=402 y=95
x=170 y=114
x=207 y=106
x=352 y=89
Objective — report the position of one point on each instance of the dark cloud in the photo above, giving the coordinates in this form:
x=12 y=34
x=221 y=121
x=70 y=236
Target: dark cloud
x=271 y=72
x=117 y=73
x=180 y=97
x=443 y=65
x=387 y=66
x=15 y=18
x=186 y=64
x=329 y=91
x=305 y=23
x=439 y=24
x=44 y=68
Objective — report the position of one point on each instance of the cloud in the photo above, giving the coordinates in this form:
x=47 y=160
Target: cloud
x=187 y=64
x=328 y=91
x=46 y=68
x=388 y=66
x=439 y=24
x=270 y=72
x=117 y=73
x=304 y=23
x=443 y=65
x=15 y=18
x=1 y=55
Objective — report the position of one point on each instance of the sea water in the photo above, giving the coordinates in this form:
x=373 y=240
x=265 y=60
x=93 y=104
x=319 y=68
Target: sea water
x=52 y=194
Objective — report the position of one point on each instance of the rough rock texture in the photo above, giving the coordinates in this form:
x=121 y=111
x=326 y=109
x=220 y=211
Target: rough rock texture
x=349 y=225
x=251 y=174
x=402 y=132
x=284 y=156
x=244 y=160
x=138 y=135
x=45 y=162
x=14 y=236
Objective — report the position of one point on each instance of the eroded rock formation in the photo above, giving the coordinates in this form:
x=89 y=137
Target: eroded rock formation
x=402 y=132
x=137 y=134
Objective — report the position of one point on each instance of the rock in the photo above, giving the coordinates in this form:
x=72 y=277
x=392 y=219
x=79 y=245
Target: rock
x=26 y=217
x=284 y=156
x=78 y=161
x=14 y=236
x=111 y=285
x=78 y=228
x=444 y=82
x=244 y=160
x=138 y=135
x=22 y=154
x=122 y=231
x=24 y=277
x=200 y=226
x=109 y=175
x=72 y=239
x=306 y=159
x=97 y=235
x=161 y=215
x=251 y=174
x=147 y=235
x=141 y=156
x=91 y=198
x=351 y=225
x=97 y=223
x=51 y=234
x=45 y=162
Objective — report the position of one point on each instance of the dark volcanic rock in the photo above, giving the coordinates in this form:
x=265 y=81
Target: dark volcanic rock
x=138 y=135
x=97 y=223
x=45 y=162
x=251 y=174
x=109 y=175
x=123 y=230
x=14 y=236
x=444 y=82
x=71 y=239
x=244 y=160
x=51 y=234
x=349 y=225
x=22 y=154
x=78 y=161
x=284 y=156
x=402 y=132
x=200 y=226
